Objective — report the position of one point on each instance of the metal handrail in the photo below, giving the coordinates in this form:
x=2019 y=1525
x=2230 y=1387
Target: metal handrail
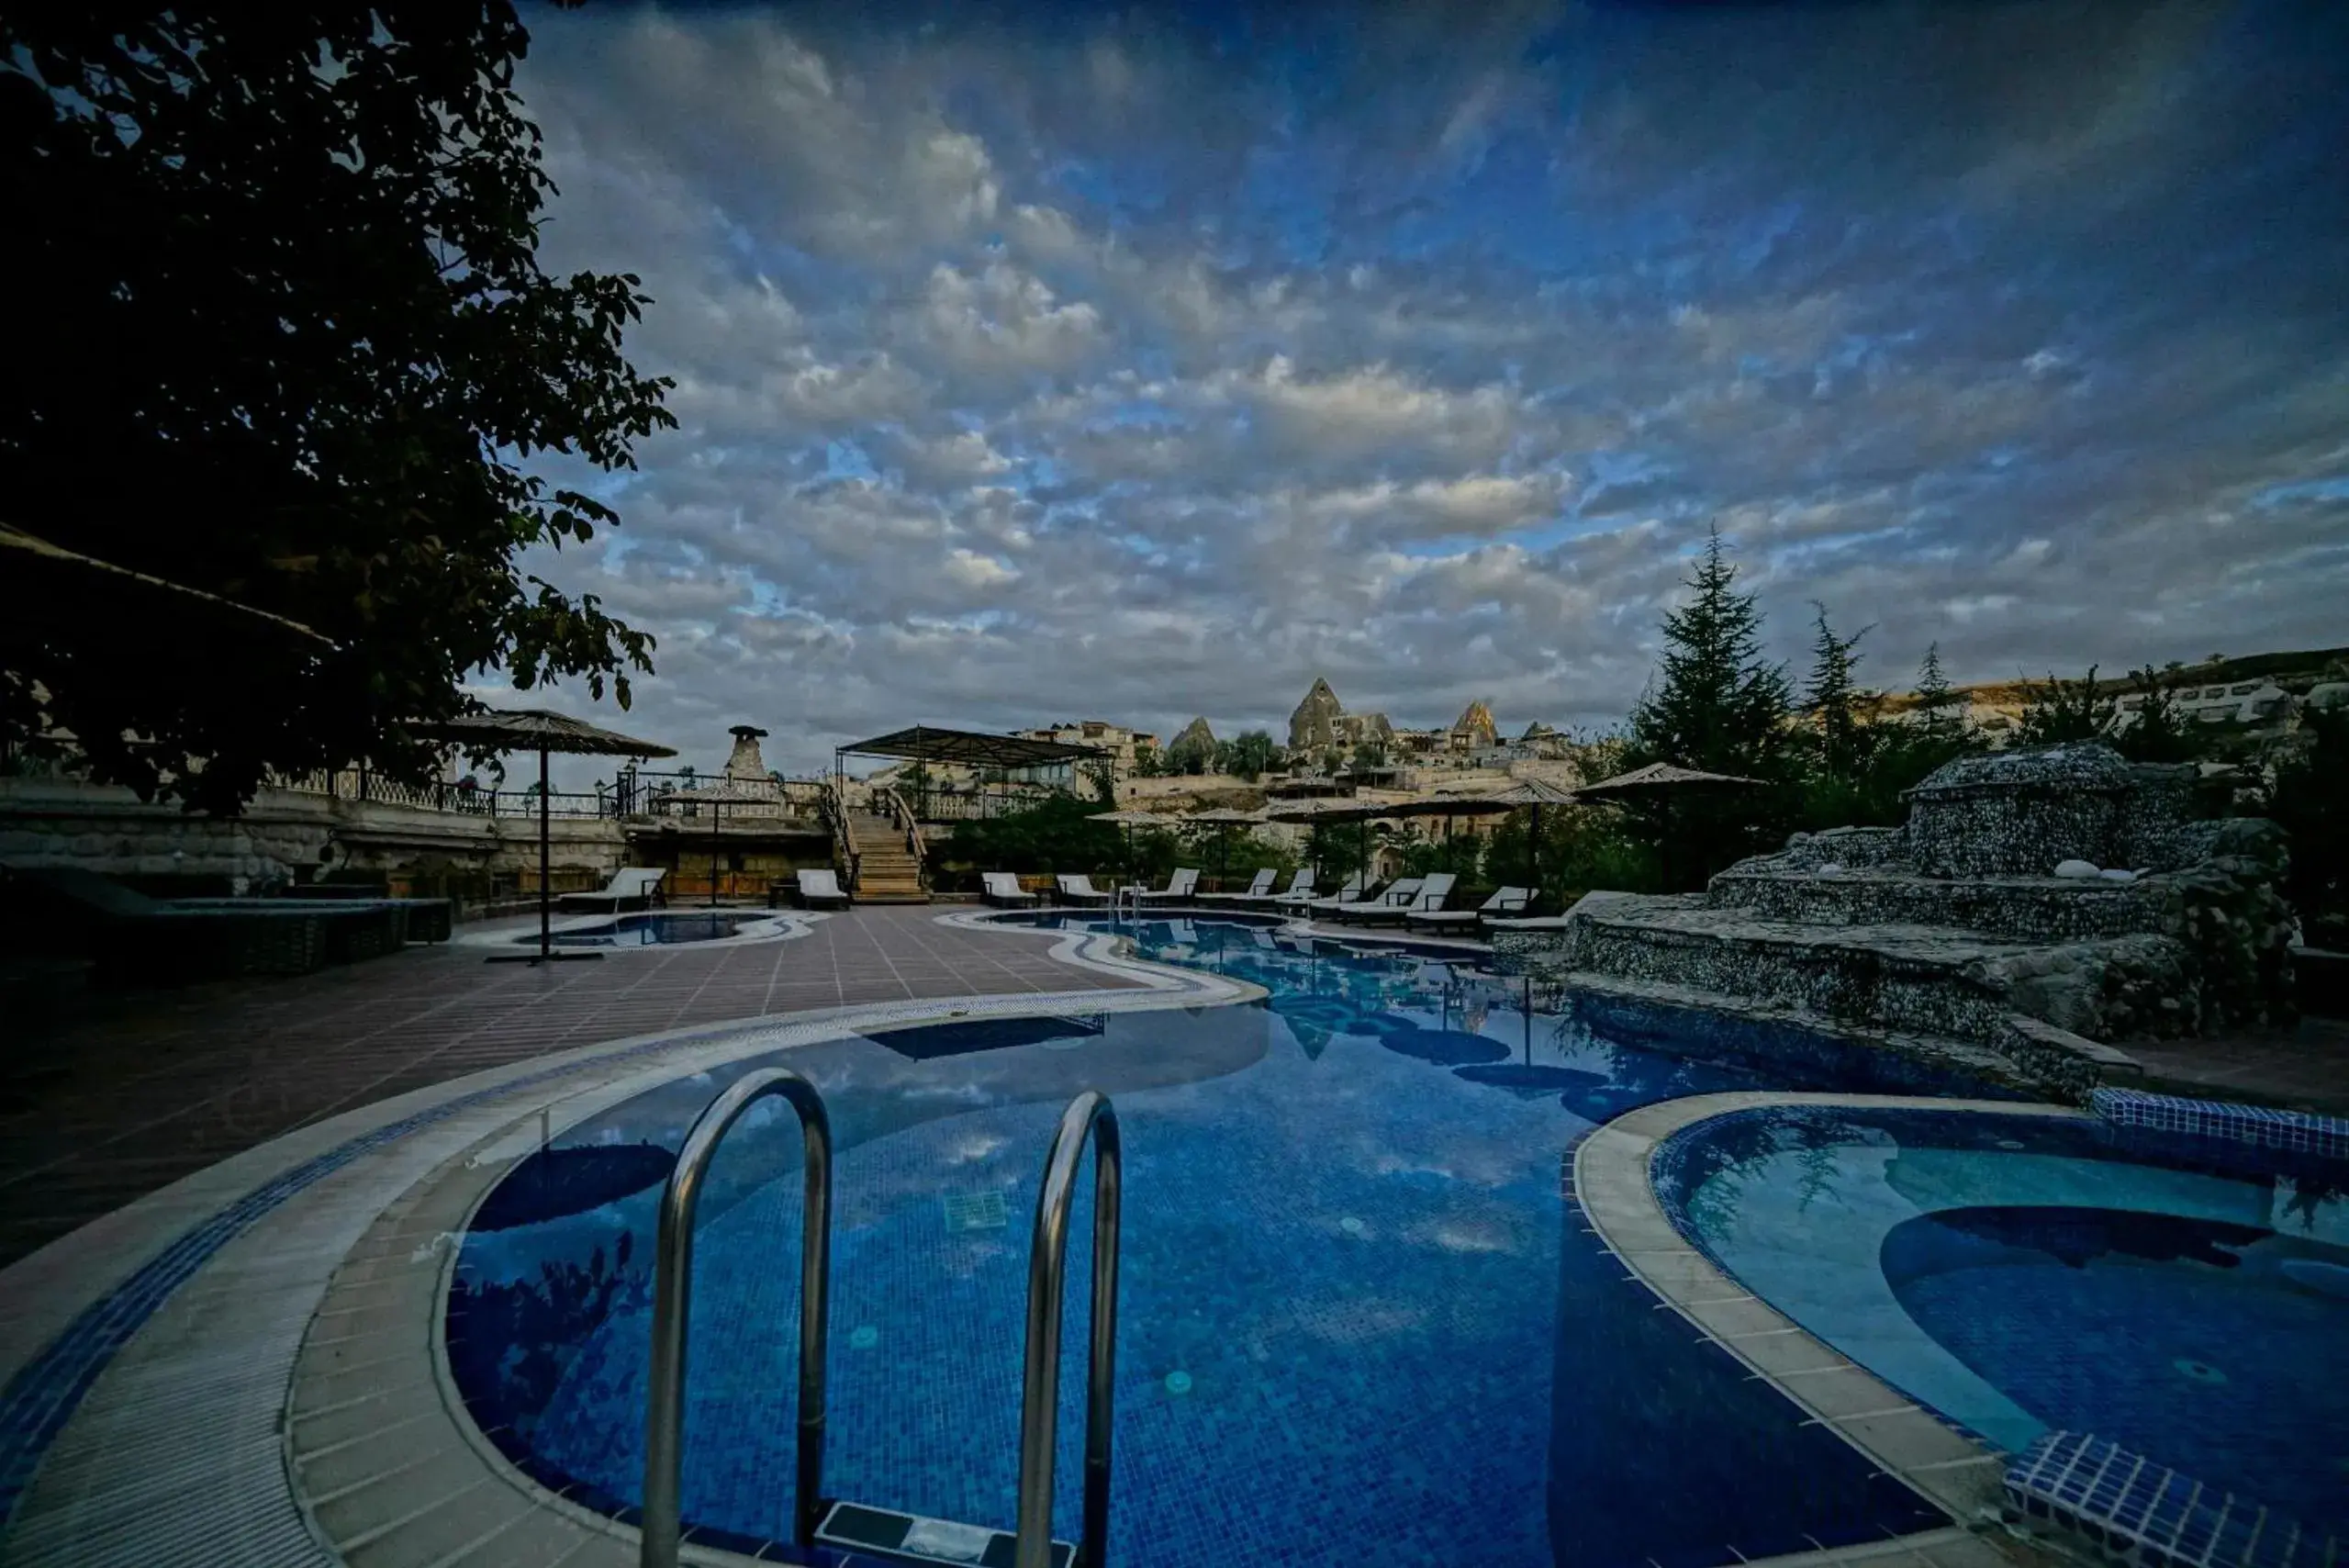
x=1088 y=1112
x=672 y=1293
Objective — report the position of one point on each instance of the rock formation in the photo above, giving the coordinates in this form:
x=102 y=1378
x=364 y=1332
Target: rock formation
x=1955 y=936
x=1475 y=726
x=1315 y=725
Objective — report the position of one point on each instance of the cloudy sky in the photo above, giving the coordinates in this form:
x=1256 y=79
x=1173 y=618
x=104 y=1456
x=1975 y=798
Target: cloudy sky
x=1047 y=364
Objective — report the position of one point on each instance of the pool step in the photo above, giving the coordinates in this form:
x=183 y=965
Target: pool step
x=895 y=1537
x=1932 y=979
x=2022 y=909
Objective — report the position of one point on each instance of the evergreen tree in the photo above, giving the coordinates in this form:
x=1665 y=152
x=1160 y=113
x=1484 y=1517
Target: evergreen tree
x=1843 y=740
x=1940 y=712
x=1718 y=705
x=1715 y=704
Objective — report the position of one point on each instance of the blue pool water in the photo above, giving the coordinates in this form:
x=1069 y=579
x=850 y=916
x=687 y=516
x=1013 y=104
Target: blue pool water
x=658 y=928
x=1361 y=1319
x=2185 y=1299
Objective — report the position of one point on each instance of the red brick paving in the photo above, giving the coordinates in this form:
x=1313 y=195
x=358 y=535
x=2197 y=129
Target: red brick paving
x=143 y=1090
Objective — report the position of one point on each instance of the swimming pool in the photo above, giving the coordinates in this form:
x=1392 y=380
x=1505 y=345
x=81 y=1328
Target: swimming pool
x=661 y=928
x=2187 y=1299
x=1361 y=1320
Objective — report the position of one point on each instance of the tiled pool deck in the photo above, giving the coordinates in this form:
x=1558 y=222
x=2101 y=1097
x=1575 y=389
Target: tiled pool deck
x=236 y=1360
x=150 y=1089
x=240 y=1367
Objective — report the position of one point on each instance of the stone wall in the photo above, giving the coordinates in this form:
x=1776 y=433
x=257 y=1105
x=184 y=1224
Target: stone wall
x=286 y=837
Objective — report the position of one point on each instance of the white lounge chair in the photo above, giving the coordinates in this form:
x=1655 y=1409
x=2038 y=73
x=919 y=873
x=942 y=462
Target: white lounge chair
x=1258 y=889
x=820 y=889
x=1178 y=887
x=1424 y=898
x=1358 y=888
x=1299 y=891
x=1003 y=888
x=1505 y=903
x=632 y=887
x=1077 y=889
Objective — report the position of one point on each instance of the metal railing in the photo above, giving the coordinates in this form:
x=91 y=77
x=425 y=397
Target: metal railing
x=1089 y=1114
x=672 y=1304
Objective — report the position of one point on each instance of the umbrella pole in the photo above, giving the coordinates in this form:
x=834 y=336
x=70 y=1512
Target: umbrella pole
x=1533 y=860
x=545 y=858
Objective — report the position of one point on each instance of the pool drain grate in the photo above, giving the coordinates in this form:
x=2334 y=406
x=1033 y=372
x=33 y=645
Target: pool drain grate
x=974 y=1211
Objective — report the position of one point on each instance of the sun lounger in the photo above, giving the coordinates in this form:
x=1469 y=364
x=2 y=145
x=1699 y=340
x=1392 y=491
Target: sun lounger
x=632 y=887
x=1002 y=889
x=1505 y=901
x=1258 y=889
x=1077 y=889
x=820 y=889
x=1427 y=897
x=1355 y=889
x=1178 y=887
x=1301 y=890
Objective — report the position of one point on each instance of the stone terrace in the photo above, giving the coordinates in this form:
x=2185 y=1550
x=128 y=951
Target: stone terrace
x=142 y=1090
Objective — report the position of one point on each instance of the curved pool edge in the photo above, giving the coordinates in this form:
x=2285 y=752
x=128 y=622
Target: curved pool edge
x=1612 y=1184
x=301 y=1293
x=773 y=926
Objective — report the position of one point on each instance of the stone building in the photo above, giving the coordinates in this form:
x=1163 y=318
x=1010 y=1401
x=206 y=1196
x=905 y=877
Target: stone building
x=1321 y=722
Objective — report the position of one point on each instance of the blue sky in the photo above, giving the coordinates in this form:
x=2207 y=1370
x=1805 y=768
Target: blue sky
x=1042 y=363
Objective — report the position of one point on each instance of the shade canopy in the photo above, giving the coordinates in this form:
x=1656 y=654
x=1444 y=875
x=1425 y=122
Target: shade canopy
x=1661 y=781
x=1330 y=811
x=535 y=729
x=1133 y=819
x=971 y=748
x=1226 y=814
x=1441 y=805
x=41 y=566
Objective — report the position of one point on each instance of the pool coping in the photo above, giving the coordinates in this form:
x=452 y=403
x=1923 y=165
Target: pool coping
x=183 y=1443
x=1957 y=1471
x=776 y=925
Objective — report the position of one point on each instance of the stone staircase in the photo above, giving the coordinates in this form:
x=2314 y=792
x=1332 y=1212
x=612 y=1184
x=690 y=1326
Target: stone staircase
x=887 y=872
x=1953 y=929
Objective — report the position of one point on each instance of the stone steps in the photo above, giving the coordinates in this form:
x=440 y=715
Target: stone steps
x=1930 y=979
x=2023 y=909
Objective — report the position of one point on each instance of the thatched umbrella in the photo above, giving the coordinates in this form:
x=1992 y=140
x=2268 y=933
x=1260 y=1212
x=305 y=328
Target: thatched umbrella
x=1665 y=780
x=1130 y=819
x=1533 y=793
x=725 y=792
x=534 y=729
x=1333 y=811
x=1660 y=784
x=1223 y=819
x=56 y=578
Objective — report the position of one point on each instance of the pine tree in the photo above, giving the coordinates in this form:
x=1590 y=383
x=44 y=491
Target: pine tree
x=1939 y=710
x=1718 y=705
x=1834 y=700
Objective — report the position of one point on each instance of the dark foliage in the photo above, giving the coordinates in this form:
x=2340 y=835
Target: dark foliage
x=2061 y=710
x=2311 y=802
x=287 y=341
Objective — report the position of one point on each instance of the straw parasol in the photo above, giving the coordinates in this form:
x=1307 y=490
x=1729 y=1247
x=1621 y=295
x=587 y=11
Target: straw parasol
x=534 y=729
x=1129 y=819
x=1660 y=784
x=45 y=567
x=1223 y=819
x=1333 y=811
x=1665 y=780
x=1532 y=793
x=725 y=792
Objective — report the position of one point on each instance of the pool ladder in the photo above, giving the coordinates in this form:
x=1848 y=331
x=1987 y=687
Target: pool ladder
x=860 y=1527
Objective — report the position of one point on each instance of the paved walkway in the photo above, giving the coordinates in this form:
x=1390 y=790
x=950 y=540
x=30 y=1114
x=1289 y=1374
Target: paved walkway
x=143 y=1090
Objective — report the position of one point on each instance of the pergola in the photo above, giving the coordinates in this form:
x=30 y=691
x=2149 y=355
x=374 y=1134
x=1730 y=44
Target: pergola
x=969 y=748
